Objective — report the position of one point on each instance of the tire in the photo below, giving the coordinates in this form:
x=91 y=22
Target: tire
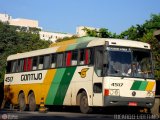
x=32 y=102
x=84 y=107
x=22 y=102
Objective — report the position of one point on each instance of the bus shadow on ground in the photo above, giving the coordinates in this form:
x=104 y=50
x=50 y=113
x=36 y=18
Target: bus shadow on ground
x=96 y=110
x=73 y=113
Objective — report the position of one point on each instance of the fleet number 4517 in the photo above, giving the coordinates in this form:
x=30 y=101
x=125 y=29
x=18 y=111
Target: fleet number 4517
x=117 y=84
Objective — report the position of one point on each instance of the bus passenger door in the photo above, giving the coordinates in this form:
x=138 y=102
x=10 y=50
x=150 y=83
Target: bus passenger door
x=97 y=77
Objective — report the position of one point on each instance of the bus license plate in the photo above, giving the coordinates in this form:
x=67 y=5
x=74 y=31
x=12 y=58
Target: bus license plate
x=132 y=104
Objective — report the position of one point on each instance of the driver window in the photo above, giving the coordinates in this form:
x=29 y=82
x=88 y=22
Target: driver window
x=98 y=60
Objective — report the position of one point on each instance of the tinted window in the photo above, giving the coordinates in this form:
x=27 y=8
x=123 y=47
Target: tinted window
x=34 y=65
x=60 y=60
x=53 y=61
x=40 y=65
x=97 y=87
x=20 y=65
x=13 y=66
x=8 y=66
x=91 y=56
x=74 y=59
x=82 y=57
x=98 y=60
x=46 y=61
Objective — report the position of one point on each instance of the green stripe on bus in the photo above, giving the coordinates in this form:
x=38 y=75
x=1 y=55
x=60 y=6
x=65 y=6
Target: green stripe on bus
x=136 y=85
x=82 y=45
x=54 y=86
x=84 y=39
x=63 y=87
x=71 y=47
x=143 y=85
x=139 y=85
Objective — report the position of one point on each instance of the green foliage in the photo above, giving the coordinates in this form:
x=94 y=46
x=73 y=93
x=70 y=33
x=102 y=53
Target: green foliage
x=102 y=33
x=12 y=42
x=144 y=33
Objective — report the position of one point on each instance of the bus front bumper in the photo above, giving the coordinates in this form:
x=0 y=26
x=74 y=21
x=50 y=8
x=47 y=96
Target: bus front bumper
x=128 y=101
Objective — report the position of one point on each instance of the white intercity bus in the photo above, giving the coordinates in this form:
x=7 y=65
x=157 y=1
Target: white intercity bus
x=87 y=72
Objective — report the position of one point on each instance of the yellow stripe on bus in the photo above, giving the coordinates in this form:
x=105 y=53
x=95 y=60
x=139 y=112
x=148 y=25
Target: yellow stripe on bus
x=67 y=42
x=150 y=86
x=64 y=45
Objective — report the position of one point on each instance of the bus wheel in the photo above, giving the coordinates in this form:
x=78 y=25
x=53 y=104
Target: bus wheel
x=21 y=102
x=32 y=102
x=84 y=104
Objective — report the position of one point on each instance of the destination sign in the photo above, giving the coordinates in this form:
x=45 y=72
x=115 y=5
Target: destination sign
x=119 y=49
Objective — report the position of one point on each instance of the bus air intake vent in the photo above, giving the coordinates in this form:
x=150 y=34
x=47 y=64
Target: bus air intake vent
x=113 y=43
x=145 y=46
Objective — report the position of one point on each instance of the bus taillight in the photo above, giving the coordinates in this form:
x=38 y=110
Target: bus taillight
x=106 y=92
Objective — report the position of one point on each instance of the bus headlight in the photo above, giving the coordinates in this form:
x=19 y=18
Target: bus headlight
x=150 y=94
x=114 y=92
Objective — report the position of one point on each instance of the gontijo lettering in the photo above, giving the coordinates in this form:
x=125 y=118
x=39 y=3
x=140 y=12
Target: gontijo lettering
x=28 y=77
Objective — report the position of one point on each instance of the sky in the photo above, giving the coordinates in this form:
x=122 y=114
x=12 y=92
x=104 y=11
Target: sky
x=66 y=15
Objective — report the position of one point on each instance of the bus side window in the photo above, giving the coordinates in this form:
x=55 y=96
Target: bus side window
x=74 y=59
x=53 y=61
x=60 y=59
x=29 y=64
x=68 y=58
x=46 y=61
x=25 y=65
x=13 y=66
x=34 y=64
x=82 y=57
x=97 y=88
x=20 y=65
x=9 y=66
x=40 y=64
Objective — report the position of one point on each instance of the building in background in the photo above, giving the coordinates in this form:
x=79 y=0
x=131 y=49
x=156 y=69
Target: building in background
x=81 y=32
x=24 y=22
x=28 y=23
x=5 y=17
x=53 y=36
x=19 y=21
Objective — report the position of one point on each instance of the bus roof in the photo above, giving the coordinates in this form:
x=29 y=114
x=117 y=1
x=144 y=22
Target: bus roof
x=78 y=43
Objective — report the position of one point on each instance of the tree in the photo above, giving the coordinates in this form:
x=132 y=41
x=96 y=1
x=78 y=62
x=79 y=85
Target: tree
x=102 y=33
x=12 y=42
x=144 y=33
x=66 y=38
x=92 y=33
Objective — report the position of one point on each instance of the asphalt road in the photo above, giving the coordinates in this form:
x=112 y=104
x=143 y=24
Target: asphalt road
x=75 y=115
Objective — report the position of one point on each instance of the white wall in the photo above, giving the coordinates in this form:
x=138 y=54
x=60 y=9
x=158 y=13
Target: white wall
x=5 y=17
x=80 y=32
x=24 y=22
x=53 y=36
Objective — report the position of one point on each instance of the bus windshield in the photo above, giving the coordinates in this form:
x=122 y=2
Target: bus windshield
x=129 y=63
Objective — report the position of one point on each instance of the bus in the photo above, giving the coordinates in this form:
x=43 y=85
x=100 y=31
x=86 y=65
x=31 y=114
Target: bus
x=87 y=72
